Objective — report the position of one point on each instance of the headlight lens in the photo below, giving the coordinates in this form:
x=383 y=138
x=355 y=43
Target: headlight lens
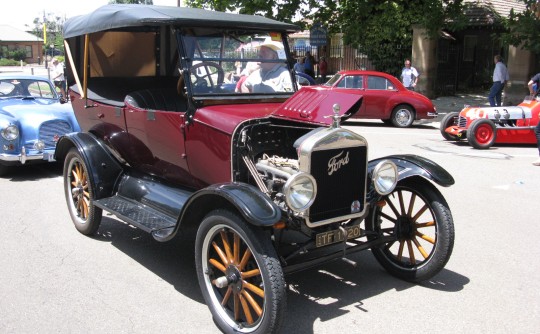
x=11 y=132
x=385 y=177
x=300 y=190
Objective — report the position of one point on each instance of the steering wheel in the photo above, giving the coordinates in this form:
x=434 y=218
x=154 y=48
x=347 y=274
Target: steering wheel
x=207 y=75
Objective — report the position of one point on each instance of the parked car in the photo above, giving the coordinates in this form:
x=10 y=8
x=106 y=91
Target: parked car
x=265 y=183
x=32 y=119
x=385 y=97
x=484 y=127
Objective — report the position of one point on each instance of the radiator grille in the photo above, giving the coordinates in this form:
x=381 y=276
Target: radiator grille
x=49 y=132
x=344 y=188
x=462 y=122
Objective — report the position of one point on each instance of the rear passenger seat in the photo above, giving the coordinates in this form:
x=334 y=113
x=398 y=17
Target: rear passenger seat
x=166 y=99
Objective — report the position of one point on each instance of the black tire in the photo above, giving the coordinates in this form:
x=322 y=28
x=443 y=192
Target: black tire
x=259 y=299
x=482 y=133
x=79 y=194
x=3 y=170
x=447 y=121
x=419 y=225
x=402 y=116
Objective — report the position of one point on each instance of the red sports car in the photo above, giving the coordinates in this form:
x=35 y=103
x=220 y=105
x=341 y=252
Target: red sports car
x=385 y=97
x=485 y=126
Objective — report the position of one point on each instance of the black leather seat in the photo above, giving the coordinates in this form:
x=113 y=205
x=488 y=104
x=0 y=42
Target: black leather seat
x=157 y=99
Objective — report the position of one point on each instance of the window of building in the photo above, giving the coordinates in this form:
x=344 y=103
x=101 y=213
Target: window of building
x=469 y=47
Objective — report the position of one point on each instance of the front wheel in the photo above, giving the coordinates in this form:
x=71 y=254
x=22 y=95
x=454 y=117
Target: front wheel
x=402 y=116
x=482 y=133
x=418 y=228
x=240 y=275
x=447 y=121
x=80 y=194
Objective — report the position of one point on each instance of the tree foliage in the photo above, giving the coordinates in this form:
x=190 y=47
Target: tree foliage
x=523 y=27
x=382 y=29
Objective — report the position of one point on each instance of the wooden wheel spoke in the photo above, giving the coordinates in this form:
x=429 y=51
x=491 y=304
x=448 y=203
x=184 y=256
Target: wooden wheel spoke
x=389 y=230
x=218 y=265
x=426 y=237
x=251 y=273
x=255 y=289
x=220 y=253
x=393 y=220
x=420 y=248
x=227 y=296
x=252 y=302
x=411 y=204
x=246 y=310
x=227 y=246
x=236 y=249
x=391 y=205
x=245 y=259
x=400 y=251
x=412 y=260
x=236 y=307
x=401 y=202
x=420 y=212
x=427 y=224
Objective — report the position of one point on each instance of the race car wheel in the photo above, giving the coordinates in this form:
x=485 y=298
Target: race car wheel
x=417 y=224
x=402 y=116
x=447 y=121
x=80 y=195
x=482 y=133
x=240 y=275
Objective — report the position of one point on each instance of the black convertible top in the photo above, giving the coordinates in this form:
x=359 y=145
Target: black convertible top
x=121 y=15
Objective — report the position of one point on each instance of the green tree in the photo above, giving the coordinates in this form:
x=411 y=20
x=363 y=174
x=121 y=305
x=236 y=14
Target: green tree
x=523 y=27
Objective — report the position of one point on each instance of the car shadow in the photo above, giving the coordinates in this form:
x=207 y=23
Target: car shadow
x=326 y=292
x=322 y=293
x=33 y=172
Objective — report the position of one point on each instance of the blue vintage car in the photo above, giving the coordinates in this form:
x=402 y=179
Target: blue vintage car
x=32 y=119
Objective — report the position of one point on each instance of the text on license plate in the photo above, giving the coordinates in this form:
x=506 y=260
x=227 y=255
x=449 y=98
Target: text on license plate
x=331 y=237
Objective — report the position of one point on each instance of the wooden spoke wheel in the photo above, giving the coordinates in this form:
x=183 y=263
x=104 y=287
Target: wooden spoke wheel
x=239 y=274
x=417 y=224
x=80 y=195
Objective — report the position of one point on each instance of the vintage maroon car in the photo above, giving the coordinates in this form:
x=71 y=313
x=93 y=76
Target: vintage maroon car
x=264 y=180
x=384 y=97
x=485 y=126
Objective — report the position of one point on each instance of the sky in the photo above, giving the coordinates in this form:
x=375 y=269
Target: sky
x=23 y=12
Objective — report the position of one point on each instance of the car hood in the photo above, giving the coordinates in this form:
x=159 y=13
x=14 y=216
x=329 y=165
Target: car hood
x=309 y=105
x=315 y=105
x=33 y=112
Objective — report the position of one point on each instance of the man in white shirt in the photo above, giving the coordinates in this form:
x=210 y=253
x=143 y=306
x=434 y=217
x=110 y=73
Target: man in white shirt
x=270 y=77
x=409 y=75
x=57 y=75
x=500 y=77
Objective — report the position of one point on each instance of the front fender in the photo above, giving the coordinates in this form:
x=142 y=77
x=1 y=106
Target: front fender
x=415 y=165
x=103 y=169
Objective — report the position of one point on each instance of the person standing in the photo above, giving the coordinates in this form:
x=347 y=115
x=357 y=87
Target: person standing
x=500 y=77
x=534 y=84
x=309 y=66
x=409 y=75
x=299 y=66
x=57 y=75
x=323 y=69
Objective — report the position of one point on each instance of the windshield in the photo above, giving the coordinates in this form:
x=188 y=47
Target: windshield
x=236 y=62
x=22 y=88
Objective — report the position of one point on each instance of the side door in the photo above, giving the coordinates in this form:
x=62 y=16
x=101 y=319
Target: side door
x=378 y=91
x=353 y=84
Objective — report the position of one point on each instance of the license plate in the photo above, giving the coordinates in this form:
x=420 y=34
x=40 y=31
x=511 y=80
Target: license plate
x=331 y=237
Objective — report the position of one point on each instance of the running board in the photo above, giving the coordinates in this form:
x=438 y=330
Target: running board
x=142 y=216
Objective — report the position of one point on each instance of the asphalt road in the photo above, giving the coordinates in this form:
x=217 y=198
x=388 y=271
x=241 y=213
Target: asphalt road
x=55 y=280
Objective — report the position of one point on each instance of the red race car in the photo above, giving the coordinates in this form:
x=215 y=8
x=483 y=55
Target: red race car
x=485 y=126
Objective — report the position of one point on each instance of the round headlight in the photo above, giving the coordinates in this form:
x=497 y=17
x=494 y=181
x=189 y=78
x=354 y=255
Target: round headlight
x=11 y=132
x=300 y=190
x=39 y=145
x=385 y=177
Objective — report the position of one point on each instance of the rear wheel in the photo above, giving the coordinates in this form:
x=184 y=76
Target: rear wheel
x=482 y=133
x=402 y=116
x=416 y=221
x=80 y=194
x=447 y=121
x=240 y=275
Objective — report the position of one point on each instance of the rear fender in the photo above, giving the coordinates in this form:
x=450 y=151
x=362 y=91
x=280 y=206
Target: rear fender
x=413 y=165
x=103 y=169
